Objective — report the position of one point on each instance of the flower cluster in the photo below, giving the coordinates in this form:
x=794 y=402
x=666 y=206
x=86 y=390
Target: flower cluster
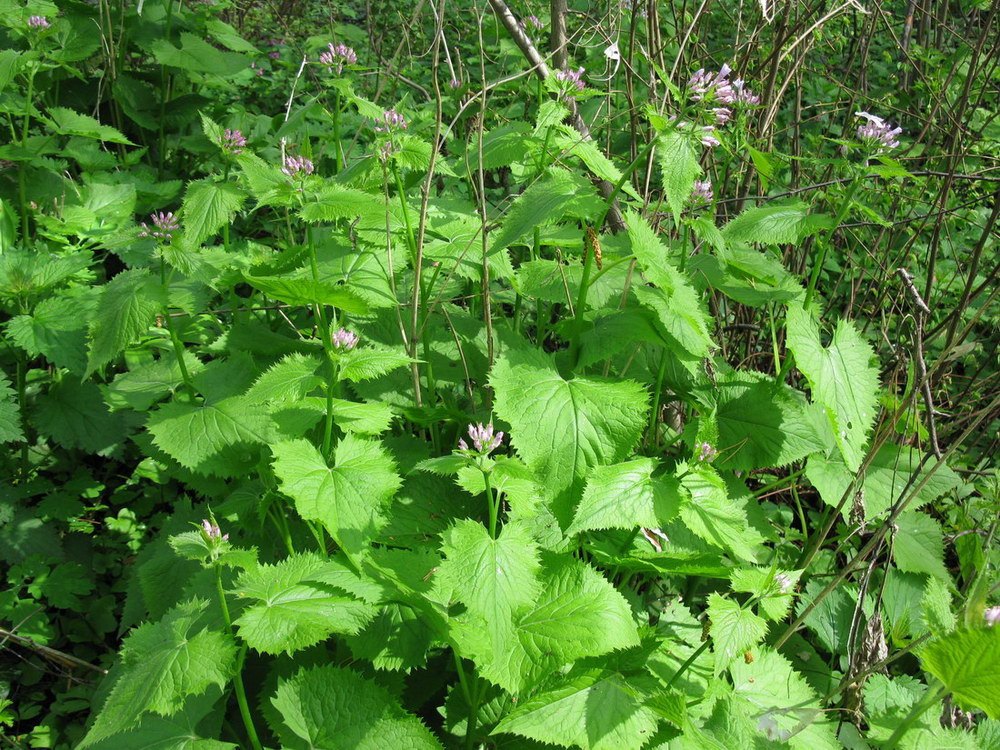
x=391 y=121
x=164 y=225
x=38 y=22
x=338 y=56
x=533 y=22
x=702 y=193
x=483 y=439
x=233 y=141
x=297 y=166
x=992 y=615
x=212 y=531
x=784 y=582
x=704 y=451
x=877 y=133
x=258 y=71
x=722 y=94
x=573 y=77
x=344 y=339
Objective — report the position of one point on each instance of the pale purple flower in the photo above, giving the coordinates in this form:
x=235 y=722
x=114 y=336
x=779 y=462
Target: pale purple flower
x=483 y=439
x=573 y=77
x=297 y=166
x=391 y=120
x=233 y=141
x=212 y=531
x=274 y=55
x=784 y=582
x=38 y=22
x=702 y=193
x=164 y=224
x=705 y=451
x=455 y=83
x=877 y=132
x=532 y=21
x=344 y=339
x=338 y=55
x=708 y=138
x=258 y=71
x=722 y=115
x=742 y=95
x=705 y=84
x=992 y=615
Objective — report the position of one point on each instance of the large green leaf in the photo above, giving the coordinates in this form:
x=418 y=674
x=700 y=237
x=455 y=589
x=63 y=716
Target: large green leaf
x=307 y=292
x=577 y=614
x=125 y=310
x=544 y=202
x=968 y=663
x=74 y=416
x=775 y=225
x=198 y=56
x=918 y=546
x=192 y=434
x=842 y=377
x=288 y=609
x=68 y=122
x=762 y=424
x=711 y=514
x=888 y=475
x=783 y=706
x=161 y=665
x=563 y=428
x=207 y=207
x=348 y=498
x=492 y=577
x=333 y=201
x=186 y=730
x=625 y=496
x=57 y=330
x=591 y=709
x=679 y=163
x=330 y=708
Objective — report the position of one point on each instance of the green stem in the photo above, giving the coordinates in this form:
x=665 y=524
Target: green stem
x=326 y=335
x=174 y=337
x=22 y=184
x=492 y=506
x=241 y=695
x=931 y=697
x=336 y=133
x=688 y=662
x=654 y=418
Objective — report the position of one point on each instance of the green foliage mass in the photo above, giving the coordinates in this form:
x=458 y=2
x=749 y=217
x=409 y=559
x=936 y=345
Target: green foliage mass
x=410 y=375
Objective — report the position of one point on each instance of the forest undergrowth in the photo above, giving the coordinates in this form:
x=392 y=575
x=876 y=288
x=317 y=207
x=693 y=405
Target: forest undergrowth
x=499 y=374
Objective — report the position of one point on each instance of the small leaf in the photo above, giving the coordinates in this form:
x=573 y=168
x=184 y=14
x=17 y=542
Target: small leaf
x=734 y=630
x=368 y=362
x=918 y=547
x=680 y=167
x=207 y=207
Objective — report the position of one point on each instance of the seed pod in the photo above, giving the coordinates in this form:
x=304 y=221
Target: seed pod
x=593 y=242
